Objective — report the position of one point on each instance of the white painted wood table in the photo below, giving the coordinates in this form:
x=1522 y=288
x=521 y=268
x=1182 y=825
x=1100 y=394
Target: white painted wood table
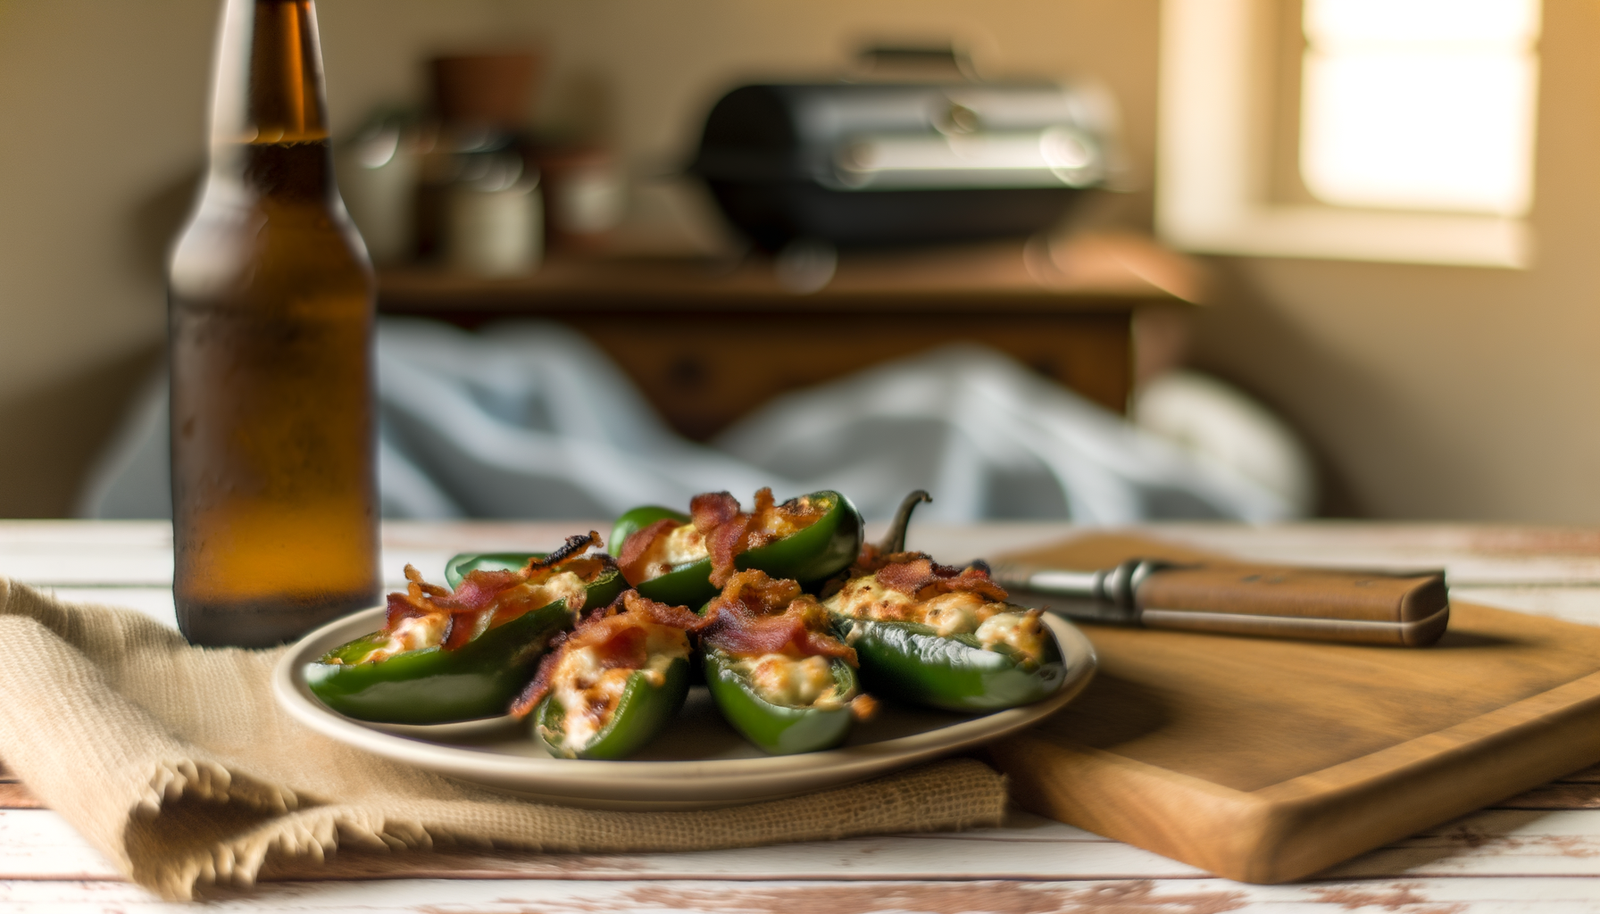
x=1536 y=852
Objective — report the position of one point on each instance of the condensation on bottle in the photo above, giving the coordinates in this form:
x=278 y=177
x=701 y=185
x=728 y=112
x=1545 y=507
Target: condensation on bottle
x=275 y=511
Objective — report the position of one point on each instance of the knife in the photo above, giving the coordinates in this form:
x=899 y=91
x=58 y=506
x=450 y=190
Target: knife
x=1410 y=609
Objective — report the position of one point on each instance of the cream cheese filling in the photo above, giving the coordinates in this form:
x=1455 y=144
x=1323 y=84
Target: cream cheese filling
x=417 y=632
x=958 y=613
x=791 y=681
x=680 y=546
x=776 y=524
x=412 y=633
x=589 y=693
x=1022 y=632
x=865 y=598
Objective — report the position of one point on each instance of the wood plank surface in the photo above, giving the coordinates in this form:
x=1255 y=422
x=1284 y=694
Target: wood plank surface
x=779 y=896
x=1537 y=851
x=1075 y=274
x=1267 y=760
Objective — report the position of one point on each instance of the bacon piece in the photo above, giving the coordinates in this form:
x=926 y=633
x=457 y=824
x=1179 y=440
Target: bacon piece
x=863 y=707
x=869 y=560
x=618 y=635
x=481 y=587
x=481 y=591
x=661 y=614
x=725 y=528
x=402 y=607
x=711 y=510
x=462 y=627
x=617 y=643
x=756 y=614
x=618 y=640
x=785 y=633
x=535 y=691
x=724 y=544
x=415 y=602
x=729 y=531
x=760 y=516
x=917 y=575
x=637 y=545
x=415 y=577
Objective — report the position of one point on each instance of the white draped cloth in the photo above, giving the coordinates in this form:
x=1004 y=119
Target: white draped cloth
x=529 y=420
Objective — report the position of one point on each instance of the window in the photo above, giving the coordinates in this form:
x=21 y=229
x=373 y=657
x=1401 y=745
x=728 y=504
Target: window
x=1395 y=130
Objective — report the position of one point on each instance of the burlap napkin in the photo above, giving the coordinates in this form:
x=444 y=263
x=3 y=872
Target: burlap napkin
x=177 y=763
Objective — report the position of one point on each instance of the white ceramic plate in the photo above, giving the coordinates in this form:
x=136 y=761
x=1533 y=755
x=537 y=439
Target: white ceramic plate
x=700 y=763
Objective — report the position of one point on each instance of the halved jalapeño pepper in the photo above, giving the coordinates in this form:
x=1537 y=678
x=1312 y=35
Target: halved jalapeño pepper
x=775 y=727
x=775 y=668
x=944 y=637
x=916 y=664
x=459 y=655
x=464 y=563
x=614 y=683
x=682 y=579
x=685 y=559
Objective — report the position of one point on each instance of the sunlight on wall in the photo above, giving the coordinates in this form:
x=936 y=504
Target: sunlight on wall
x=1420 y=104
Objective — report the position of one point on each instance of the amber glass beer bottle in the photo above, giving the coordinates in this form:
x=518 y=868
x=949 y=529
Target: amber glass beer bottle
x=274 y=505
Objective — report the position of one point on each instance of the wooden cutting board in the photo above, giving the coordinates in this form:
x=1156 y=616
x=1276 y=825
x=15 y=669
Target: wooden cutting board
x=1266 y=760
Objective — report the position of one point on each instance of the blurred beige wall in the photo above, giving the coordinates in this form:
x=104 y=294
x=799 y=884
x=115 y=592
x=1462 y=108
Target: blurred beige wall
x=1432 y=392
x=102 y=131
x=1442 y=392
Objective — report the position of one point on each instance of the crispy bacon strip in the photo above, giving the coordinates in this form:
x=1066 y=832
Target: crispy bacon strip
x=869 y=560
x=480 y=591
x=710 y=510
x=661 y=614
x=729 y=531
x=726 y=529
x=758 y=615
x=636 y=546
x=618 y=635
x=863 y=707
x=917 y=575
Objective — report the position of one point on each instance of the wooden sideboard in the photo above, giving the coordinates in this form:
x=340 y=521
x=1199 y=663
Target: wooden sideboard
x=707 y=342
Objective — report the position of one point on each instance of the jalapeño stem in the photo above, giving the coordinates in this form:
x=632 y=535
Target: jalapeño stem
x=895 y=539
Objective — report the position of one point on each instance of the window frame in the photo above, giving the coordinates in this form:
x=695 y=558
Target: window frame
x=1214 y=161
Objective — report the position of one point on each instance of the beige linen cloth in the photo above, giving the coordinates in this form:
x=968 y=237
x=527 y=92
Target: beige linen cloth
x=177 y=763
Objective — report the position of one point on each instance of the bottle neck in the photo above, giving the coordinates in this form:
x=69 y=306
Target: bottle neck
x=268 y=113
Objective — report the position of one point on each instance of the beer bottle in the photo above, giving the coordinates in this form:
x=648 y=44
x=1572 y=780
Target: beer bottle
x=270 y=302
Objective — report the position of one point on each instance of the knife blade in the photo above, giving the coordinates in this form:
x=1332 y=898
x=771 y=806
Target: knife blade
x=1410 y=608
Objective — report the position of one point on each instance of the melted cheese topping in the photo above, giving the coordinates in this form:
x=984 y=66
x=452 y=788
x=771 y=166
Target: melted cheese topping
x=791 y=681
x=535 y=594
x=412 y=633
x=959 y=613
x=682 y=545
x=776 y=524
x=865 y=598
x=417 y=632
x=589 y=694
x=1022 y=632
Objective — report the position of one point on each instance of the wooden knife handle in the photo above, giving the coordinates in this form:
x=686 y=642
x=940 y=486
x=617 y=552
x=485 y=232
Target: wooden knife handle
x=1410 y=610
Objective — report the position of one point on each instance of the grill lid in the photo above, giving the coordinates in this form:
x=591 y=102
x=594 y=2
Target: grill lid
x=875 y=136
